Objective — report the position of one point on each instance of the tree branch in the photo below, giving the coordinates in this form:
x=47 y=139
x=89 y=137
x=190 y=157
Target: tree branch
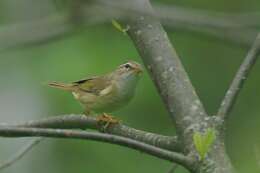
x=226 y=27
x=46 y=29
x=175 y=88
x=17 y=156
x=222 y=26
x=11 y=131
x=91 y=122
x=34 y=32
x=239 y=79
x=173 y=168
x=167 y=72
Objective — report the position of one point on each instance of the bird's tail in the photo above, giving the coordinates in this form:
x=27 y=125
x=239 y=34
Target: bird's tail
x=66 y=87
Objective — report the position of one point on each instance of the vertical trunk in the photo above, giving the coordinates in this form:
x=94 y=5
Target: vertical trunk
x=175 y=88
x=217 y=161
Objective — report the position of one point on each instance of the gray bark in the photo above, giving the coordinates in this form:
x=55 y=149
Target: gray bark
x=175 y=88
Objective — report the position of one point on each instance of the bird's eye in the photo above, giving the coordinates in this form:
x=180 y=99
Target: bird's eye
x=127 y=66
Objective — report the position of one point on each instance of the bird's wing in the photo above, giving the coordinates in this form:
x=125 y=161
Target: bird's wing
x=93 y=85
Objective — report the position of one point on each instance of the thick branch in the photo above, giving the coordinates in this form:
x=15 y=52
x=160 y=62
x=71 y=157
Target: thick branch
x=175 y=88
x=167 y=72
x=10 y=131
x=239 y=79
x=84 y=122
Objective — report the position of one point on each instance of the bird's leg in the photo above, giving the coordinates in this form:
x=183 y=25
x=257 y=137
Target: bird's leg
x=86 y=112
x=106 y=120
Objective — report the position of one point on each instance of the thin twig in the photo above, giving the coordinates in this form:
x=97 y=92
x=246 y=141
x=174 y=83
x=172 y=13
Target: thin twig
x=91 y=122
x=173 y=168
x=239 y=79
x=11 y=131
x=33 y=32
x=43 y=30
x=60 y=25
x=83 y=122
x=17 y=156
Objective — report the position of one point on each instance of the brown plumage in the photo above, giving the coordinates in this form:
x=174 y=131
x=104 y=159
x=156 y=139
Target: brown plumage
x=105 y=93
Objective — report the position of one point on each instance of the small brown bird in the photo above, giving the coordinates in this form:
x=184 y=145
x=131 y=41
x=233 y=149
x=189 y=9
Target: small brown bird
x=105 y=93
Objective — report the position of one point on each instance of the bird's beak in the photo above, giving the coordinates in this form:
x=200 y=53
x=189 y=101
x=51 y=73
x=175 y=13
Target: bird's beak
x=138 y=70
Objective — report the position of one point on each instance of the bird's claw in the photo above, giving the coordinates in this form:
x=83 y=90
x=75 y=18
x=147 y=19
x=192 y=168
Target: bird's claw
x=106 y=120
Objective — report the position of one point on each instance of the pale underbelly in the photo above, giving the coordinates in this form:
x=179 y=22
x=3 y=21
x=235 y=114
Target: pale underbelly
x=100 y=104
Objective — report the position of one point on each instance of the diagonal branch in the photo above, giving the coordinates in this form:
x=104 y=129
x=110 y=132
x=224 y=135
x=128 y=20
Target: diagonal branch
x=91 y=122
x=239 y=79
x=227 y=27
x=11 y=131
x=174 y=86
x=167 y=72
x=17 y=156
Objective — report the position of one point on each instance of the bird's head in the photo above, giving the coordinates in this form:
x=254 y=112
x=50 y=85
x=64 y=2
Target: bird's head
x=128 y=70
x=126 y=76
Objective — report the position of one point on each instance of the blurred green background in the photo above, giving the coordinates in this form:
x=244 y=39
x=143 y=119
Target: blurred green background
x=210 y=63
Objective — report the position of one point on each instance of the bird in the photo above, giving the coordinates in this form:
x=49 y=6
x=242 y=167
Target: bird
x=106 y=93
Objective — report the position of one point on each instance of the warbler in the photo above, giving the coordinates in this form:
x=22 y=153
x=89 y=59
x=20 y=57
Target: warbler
x=106 y=93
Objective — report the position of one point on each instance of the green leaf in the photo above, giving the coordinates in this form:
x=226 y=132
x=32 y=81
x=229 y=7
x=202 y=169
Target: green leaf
x=203 y=142
x=118 y=26
x=209 y=138
x=198 y=142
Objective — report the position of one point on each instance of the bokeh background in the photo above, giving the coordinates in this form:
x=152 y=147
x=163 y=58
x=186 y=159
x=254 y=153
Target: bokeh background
x=95 y=50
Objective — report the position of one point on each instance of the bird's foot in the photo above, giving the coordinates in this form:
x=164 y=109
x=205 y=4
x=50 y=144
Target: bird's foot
x=106 y=120
x=86 y=112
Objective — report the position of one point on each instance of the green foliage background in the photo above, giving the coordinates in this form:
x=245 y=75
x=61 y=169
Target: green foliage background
x=210 y=63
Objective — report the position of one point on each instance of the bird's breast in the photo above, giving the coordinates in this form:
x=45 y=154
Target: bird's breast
x=109 y=99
